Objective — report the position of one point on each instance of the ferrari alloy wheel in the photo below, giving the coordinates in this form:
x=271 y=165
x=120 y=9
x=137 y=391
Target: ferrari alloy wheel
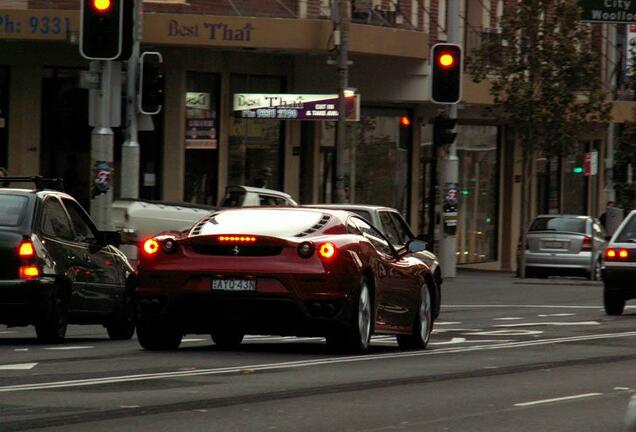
x=122 y=327
x=359 y=332
x=227 y=339
x=422 y=326
x=158 y=336
x=52 y=327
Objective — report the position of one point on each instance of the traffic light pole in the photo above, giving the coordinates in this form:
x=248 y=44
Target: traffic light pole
x=450 y=169
x=343 y=83
x=130 y=149
x=102 y=152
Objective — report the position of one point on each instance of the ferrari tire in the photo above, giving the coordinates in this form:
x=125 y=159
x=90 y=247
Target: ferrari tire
x=357 y=336
x=122 y=327
x=225 y=339
x=158 y=336
x=422 y=325
x=52 y=327
x=614 y=302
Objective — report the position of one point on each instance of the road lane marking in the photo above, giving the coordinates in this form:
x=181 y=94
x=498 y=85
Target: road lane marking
x=561 y=399
x=21 y=349
x=68 y=348
x=438 y=323
x=528 y=306
x=511 y=332
x=18 y=366
x=507 y=319
x=552 y=323
x=305 y=363
x=556 y=315
x=458 y=340
x=194 y=340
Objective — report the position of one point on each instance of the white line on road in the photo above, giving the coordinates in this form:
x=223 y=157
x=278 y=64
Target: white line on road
x=68 y=348
x=305 y=363
x=507 y=319
x=194 y=340
x=552 y=323
x=439 y=323
x=18 y=366
x=527 y=306
x=561 y=399
x=556 y=315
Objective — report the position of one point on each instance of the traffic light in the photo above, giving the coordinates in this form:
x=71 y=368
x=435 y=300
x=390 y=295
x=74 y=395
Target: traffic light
x=405 y=135
x=151 y=83
x=443 y=133
x=447 y=73
x=101 y=26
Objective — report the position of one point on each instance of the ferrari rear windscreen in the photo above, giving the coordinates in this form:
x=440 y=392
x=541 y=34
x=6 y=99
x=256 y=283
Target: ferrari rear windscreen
x=266 y=222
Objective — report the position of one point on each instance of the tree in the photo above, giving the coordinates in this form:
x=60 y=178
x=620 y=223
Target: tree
x=545 y=80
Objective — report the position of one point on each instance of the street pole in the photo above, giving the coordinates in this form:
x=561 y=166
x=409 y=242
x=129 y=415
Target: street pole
x=341 y=38
x=130 y=149
x=450 y=163
x=609 y=191
x=102 y=152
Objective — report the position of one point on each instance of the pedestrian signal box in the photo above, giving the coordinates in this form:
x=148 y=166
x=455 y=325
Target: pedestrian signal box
x=446 y=76
x=151 y=83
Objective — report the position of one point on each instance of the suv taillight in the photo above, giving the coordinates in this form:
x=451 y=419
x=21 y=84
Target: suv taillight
x=29 y=269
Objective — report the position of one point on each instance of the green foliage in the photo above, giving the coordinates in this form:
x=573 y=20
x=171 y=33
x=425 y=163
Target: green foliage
x=545 y=76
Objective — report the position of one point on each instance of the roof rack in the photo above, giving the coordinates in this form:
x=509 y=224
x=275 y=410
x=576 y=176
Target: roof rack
x=41 y=183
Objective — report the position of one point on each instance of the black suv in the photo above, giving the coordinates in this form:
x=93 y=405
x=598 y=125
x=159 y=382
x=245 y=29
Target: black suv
x=56 y=268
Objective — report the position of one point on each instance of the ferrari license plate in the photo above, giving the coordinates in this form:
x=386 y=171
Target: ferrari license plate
x=233 y=285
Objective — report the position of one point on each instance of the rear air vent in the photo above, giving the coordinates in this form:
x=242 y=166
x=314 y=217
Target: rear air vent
x=196 y=230
x=321 y=223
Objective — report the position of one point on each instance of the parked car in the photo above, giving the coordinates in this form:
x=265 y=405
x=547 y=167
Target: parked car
x=282 y=271
x=57 y=268
x=619 y=268
x=390 y=222
x=137 y=219
x=564 y=245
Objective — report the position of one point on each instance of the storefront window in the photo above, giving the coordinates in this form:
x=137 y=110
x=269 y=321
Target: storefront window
x=478 y=194
x=375 y=158
x=256 y=145
x=201 y=138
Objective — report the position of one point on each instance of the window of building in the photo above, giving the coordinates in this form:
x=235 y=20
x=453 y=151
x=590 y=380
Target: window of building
x=201 y=137
x=376 y=159
x=478 y=193
x=256 y=145
x=415 y=13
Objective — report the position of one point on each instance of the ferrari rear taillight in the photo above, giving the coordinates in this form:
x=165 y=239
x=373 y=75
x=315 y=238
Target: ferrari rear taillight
x=26 y=249
x=151 y=246
x=327 y=251
x=236 y=239
x=612 y=254
x=586 y=245
x=28 y=272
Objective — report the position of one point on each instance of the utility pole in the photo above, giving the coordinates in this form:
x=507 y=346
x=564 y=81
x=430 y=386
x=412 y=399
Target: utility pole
x=130 y=149
x=609 y=191
x=450 y=164
x=102 y=148
x=341 y=17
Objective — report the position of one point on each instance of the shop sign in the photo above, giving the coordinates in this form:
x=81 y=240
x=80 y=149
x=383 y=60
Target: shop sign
x=590 y=163
x=294 y=106
x=38 y=24
x=200 y=122
x=608 y=11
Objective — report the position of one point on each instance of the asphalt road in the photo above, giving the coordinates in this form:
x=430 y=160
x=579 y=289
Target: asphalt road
x=504 y=356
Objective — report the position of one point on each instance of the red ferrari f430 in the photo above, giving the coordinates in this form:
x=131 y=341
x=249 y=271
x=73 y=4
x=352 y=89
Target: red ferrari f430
x=283 y=271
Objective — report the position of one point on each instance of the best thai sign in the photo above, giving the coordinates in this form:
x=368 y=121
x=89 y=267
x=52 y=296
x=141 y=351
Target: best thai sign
x=294 y=106
x=608 y=11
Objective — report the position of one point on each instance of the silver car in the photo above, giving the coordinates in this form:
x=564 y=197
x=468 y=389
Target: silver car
x=565 y=245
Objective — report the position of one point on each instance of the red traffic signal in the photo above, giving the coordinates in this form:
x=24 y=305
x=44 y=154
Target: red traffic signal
x=101 y=25
x=446 y=76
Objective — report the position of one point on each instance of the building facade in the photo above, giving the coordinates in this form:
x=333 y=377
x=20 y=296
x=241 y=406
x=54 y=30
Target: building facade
x=215 y=49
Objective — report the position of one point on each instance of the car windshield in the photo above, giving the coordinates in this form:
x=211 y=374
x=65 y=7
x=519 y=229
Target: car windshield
x=278 y=223
x=362 y=213
x=12 y=209
x=628 y=233
x=564 y=224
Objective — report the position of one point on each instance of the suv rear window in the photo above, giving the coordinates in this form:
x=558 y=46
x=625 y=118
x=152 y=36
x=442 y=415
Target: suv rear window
x=233 y=199
x=563 y=224
x=628 y=233
x=12 y=209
